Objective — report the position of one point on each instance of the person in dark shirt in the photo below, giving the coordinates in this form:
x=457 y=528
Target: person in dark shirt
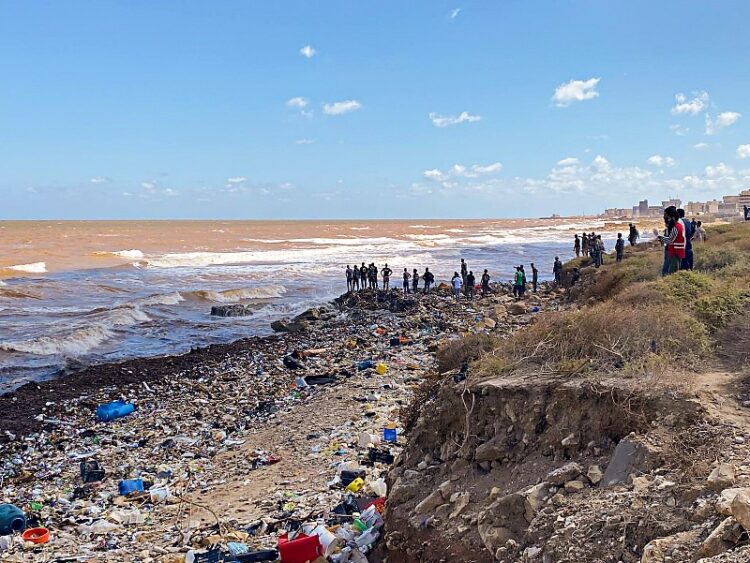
x=576 y=247
x=407 y=276
x=470 y=283
x=485 y=283
x=386 y=272
x=415 y=280
x=428 y=279
x=363 y=274
x=349 y=278
x=619 y=247
x=557 y=269
x=535 y=276
x=464 y=270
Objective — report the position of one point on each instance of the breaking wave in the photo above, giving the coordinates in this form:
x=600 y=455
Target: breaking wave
x=133 y=254
x=34 y=268
x=172 y=298
x=80 y=340
x=236 y=295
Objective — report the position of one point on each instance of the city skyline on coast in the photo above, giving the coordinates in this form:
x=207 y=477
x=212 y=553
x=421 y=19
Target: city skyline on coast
x=431 y=109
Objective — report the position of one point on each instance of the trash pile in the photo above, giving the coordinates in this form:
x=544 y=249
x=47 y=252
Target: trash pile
x=277 y=450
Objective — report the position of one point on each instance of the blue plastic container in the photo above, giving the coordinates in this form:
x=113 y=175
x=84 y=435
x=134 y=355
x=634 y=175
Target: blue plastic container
x=12 y=519
x=114 y=410
x=390 y=435
x=130 y=486
x=365 y=364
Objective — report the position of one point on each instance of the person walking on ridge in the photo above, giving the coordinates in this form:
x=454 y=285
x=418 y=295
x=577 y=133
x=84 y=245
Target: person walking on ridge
x=633 y=234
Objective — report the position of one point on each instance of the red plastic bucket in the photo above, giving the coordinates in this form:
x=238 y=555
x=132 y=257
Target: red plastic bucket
x=301 y=549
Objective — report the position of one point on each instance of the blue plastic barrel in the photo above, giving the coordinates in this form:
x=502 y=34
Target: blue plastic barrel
x=130 y=486
x=390 y=435
x=12 y=519
x=116 y=409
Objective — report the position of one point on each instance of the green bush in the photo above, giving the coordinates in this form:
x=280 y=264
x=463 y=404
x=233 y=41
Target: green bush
x=709 y=259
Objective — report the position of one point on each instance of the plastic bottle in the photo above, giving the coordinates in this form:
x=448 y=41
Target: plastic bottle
x=12 y=519
x=116 y=409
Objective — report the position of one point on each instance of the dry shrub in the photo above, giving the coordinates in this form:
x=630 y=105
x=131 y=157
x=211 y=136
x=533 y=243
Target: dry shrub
x=455 y=353
x=708 y=259
x=607 y=336
x=734 y=342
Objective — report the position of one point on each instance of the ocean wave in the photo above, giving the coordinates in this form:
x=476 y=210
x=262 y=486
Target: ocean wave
x=236 y=295
x=80 y=340
x=8 y=291
x=33 y=268
x=427 y=237
x=172 y=298
x=133 y=254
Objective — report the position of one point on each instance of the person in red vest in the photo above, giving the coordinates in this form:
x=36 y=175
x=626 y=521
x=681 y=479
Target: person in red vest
x=673 y=240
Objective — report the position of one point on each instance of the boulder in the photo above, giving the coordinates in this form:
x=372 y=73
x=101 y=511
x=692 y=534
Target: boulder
x=723 y=538
x=430 y=503
x=534 y=500
x=234 y=310
x=570 y=440
x=312 y=314
x=460 y=501
x=502 y=520
x=594 y=474
x=630 y=456
x=486 y=324
x=499 y=312
x=489 y=451
x=283 y=325
x=724 y=504
x=740 y=508
x=657 y=551
x=442 y=286
x=574 y=486
x=563 y=474
x=721 y=477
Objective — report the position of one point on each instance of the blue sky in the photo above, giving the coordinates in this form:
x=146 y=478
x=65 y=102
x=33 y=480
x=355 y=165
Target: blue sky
x=395 y=109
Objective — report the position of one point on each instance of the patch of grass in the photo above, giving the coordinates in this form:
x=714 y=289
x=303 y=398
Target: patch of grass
x=685 y=286
x=455 y=353
x=717 y=310
x=709 y=259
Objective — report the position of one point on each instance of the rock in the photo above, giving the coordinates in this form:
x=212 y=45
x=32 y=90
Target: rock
x=629 y=456
x=486 y=323
x=574 y=486
x=594 y=474
x=656 y=551
x=722 y=539
x=570 y=440
x=517 y=308
x=499 y=312
x=234 y=310
x=740 y=508
x=563 y=474
x=641 y=484
x=442 y=286
x=535 y=497
x=283 y=325
x=721 y=477
x=489 y=451
x=461 y=501
x=309 y=315
x=724 y=504
x=430 y=503
x=502 y=520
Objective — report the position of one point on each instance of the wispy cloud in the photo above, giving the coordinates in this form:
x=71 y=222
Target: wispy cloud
x=100 y=180
x=719 y=170
x=575 y=91
x=236 y=180
x=304 y=141
x=743 y=151
x=337 y=108
x=700 y=146
x=724 y=119
x=454 y=13
x=679 y=129
x=684 y=106
x=457 y=171
x=298 y=102
x=152 y=190
x=307 y=51
x=447 y=120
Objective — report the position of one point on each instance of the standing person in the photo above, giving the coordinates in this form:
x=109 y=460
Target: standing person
x=585 y=244
x=633 y=234
x=464 y=270
x=534 y=276
x=700 y=232
x=349 y=277
x=746 y=211
x=372 y=272
x=673 y=241
x=428 y=278
x=363 y=274
x=518 y=283
x=523 y=280
x=557 y=269
x=415 y=280
x=470 y=285
x=355 y=278
x=687 y=262
x=457 y=281
x=407 y=276
x=576 y=247
x=386 y=272
x=485 y=283
x=600 y=248
x=619 y=247
x=575 y=276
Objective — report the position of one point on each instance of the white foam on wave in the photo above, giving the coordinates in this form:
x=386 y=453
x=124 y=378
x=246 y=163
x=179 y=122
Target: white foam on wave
x=172 y=298
x=133 y=254
x=236 y=295
x=33 y=268
x=427 y=237
x=80 y=340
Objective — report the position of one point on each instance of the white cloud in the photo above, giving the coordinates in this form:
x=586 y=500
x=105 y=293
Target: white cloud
x=461 y=171
x=100 y=180
x=304 y=141
x=298 y=102
x=743 y=151
x=148 y=185
x=690 y=107
x=454 y=13
x=700 y=146
x=446 y=120
x=307 y=51
x=661 y=161
x=152 y=190
x=679 y=130
x=575 y=91
x=567 y=161
x=236 y=180
x=337 y=108
x=489 y=169
x=724 y=119
x=718 y=170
